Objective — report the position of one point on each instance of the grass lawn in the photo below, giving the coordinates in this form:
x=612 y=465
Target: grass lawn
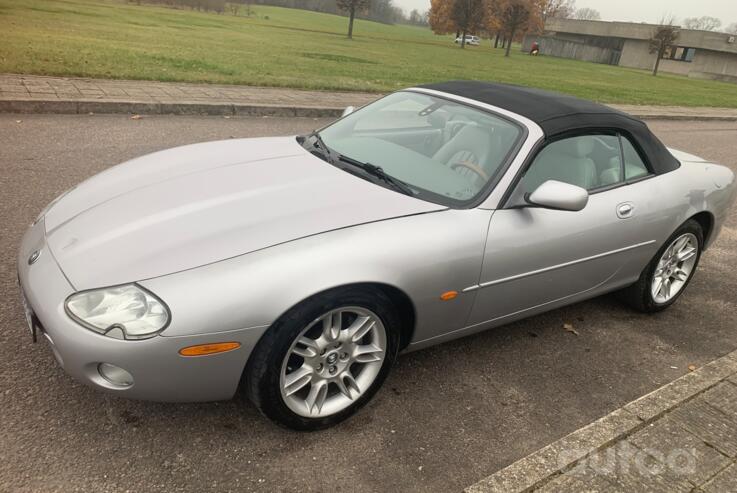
x=295 y=48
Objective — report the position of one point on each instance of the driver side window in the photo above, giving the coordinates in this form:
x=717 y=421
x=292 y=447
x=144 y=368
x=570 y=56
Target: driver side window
x=587 y=161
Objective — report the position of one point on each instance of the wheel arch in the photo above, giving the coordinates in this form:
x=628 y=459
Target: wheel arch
x=403 y=305
x=706 y=221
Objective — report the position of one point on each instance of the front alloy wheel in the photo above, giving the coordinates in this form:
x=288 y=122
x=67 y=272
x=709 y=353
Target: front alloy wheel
x=333 y=361
x=324 y=358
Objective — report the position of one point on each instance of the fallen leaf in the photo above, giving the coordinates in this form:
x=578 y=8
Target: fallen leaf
x=136 y=117
x=674 y=367
x=569 y=328
x=691 y=367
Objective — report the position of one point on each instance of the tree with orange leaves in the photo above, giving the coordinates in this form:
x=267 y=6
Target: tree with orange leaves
x=441 y=17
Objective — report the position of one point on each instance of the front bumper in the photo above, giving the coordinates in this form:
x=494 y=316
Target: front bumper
x=159 y=372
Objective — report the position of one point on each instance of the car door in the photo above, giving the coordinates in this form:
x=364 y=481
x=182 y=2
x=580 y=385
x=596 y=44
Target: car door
x=535 y=257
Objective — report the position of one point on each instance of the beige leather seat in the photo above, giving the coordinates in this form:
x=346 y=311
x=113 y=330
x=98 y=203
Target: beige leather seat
x=472 y=145
x=567 y=161
x=613 y=173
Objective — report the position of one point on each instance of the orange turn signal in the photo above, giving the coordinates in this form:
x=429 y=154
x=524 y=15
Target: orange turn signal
x=448 y=295
x=204 y=349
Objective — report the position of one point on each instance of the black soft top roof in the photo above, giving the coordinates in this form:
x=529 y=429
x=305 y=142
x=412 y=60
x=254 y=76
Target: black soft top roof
x=559 y=114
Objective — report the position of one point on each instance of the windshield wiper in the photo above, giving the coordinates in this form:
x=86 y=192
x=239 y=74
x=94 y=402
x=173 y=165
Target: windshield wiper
x=319 y=148
x=379 y=172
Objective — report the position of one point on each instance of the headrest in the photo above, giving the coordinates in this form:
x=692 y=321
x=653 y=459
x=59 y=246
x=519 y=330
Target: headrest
x=579 y=147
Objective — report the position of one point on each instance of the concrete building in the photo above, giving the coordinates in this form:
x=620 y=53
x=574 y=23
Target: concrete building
x=699 y=54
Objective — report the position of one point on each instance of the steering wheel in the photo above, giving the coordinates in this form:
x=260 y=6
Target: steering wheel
x=471 y=166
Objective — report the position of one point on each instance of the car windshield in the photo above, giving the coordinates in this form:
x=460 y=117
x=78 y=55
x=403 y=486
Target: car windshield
x=434 y=148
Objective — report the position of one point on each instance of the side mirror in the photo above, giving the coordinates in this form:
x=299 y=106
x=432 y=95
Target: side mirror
x=348 y=110
x=558 y=195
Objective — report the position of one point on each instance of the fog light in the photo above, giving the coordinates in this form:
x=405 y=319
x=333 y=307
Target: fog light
x=115 y=375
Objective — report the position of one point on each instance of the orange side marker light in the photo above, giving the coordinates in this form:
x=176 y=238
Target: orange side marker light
x=205 y=349
x=448 y=295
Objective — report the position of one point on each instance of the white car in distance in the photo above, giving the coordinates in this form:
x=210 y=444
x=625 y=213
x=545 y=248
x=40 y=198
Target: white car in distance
x=470 y=40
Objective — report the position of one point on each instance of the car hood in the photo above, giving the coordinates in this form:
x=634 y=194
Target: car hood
x=194 y=205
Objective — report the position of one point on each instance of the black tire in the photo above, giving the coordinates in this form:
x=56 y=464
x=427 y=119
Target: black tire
x=261 y=379
x=639 y=295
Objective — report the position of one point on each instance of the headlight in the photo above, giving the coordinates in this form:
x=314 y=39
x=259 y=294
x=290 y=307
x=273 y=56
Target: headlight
x=123 y=312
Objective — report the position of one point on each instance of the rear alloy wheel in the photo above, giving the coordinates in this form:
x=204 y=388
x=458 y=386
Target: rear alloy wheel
x=324 y=359
x=674 y=268
x=667 y=275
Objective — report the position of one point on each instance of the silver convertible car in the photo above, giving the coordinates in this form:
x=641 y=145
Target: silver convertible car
x=295 y=269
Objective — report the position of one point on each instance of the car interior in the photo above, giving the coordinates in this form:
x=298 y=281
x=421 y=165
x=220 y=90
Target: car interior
x=587 y=161
x=473 y=147
x=453 y=150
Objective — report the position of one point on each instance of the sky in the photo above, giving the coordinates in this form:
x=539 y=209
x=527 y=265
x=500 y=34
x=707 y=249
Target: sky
x=637 y=10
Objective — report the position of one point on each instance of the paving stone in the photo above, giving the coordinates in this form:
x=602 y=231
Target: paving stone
x=684 y=454
x=300 y=102
x=723 y=397
x=114 y=91
x=12 y=88
x=656 y=403
x=12 y=96
x=711 y=425
x=559 y=455
x=619 y=468
x=637 y=471
x=723 y=482
x=584 y=480
x=41 y=90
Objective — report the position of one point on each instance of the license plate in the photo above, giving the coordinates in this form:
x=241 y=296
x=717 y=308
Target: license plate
x=29 y=315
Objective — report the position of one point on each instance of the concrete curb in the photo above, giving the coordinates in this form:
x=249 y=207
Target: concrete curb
x=542 y=466
x=83 y=107
x=671 y=117
x=86 y=106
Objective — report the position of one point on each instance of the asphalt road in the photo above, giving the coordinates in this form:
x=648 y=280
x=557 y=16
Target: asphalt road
x=446 y=417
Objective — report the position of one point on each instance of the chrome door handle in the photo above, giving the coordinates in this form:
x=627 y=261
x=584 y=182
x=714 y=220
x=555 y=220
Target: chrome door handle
x=625 y=210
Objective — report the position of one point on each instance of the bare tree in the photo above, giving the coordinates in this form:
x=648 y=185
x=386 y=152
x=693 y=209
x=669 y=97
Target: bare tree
x=563 y=9
x=587 y=14
x=468 y=16
x=731 y=29
x=664 y=36
x=703 y=23
x=417 y=18
x=352 y=6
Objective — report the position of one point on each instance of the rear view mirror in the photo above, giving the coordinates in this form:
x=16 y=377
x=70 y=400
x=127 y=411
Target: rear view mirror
x=348 y=110
x=560 y=196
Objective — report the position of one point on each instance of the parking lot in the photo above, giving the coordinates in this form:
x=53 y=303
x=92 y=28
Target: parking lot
x=446 y=417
